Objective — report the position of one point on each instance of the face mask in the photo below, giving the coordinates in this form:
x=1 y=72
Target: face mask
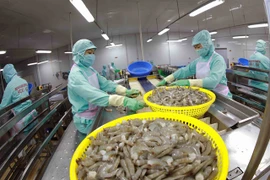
x=201 y=52
x=88 y=60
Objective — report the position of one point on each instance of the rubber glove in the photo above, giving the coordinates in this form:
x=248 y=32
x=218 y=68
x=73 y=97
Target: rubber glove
x=133 y=93
x=162 y=83
x=121 y=90
x=166 y=80
x=183 y=82
x=133 y=104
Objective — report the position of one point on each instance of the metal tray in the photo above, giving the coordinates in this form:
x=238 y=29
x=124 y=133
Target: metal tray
x=230 y=112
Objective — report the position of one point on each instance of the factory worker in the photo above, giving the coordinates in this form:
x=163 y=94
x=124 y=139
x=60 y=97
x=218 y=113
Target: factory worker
x=104 y=72
x=86 y=88
x=209 y=68
x=17 y=89
x=114 y=72
x=264 y=63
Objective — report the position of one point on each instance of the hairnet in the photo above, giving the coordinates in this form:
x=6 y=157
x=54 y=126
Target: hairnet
x=79 y=49
x=204 y=38
x=261 y=46
x=8 y=72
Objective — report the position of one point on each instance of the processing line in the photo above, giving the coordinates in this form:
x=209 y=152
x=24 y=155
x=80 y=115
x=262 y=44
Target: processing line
x=237 y=124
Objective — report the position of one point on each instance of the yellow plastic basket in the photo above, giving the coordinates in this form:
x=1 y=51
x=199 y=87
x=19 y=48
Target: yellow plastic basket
x=193 y=111
x=201 y=127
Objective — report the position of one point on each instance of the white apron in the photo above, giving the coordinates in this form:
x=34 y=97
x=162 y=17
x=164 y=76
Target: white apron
x=203 y=70
x=91 y=112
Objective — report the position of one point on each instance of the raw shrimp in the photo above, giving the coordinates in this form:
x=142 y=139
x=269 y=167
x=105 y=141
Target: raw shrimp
x=178 y=97
x=159 y=149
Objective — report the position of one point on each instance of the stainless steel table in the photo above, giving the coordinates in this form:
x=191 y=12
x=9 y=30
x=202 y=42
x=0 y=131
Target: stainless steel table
x=240 y=144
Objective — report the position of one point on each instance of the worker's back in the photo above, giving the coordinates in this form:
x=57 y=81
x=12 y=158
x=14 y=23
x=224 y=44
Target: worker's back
x=263 y=63
x=17 y=89
x=20 y=91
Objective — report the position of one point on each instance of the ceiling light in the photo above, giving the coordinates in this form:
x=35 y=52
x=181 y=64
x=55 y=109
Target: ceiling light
x=173 y=40
x=1 y=70
x=206 y=7
x=213 y=39
x=31 y=64
x=212 y=33
x=117 y=45
x=183 y=39
x=258 y=25
x=178 y=40
x=169 y=20
x=3 y=52
x=235 y=8
x=105 y=36
x=149 y=40
x=80 y=6
x=240 y=37
x=43 y=51
x=112 y=44
x=42 y=62
x=163 y=31
x=191 y=30
x=68 y=52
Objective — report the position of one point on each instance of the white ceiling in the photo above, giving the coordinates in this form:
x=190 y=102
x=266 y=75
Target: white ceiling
x=22 y=22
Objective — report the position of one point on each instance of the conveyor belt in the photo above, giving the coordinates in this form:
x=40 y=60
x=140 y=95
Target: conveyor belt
x=146 y=84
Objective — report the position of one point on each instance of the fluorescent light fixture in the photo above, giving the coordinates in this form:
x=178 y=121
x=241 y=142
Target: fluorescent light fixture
x=149 y=40
x=212 y=33
x=68 y=52
x=1 y=70
x=240 y=37
x=43 y=62
x=173 y=40
x=178 y=40
x=182 y=39
x=206 y=7
x=258 y=25
x=108 y=47
x=117 y=45
x=235 y=8
x=105 y=36
x=43 y=51
x=31 y=64
x=112 y=44
x=213 y=39
x=80 y=6
x=3 y=52
x=163 y=31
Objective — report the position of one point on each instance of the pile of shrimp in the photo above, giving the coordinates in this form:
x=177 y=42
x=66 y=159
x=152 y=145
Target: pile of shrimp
x=144 y=150
x=178 y=96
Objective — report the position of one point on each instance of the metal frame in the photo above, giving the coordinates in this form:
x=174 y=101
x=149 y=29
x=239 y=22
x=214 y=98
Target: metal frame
x=264 y=135
x=8 y=125
x=15 y=151
x=30 y=164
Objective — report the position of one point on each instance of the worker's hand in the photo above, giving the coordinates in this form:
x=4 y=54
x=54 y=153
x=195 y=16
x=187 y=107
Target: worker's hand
x=162 y=83
x=133 y=104
x=184 y=82
x=116 y=70
x=132 y=93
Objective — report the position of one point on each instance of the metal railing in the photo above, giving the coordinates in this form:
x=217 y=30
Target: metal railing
x=8 y=125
